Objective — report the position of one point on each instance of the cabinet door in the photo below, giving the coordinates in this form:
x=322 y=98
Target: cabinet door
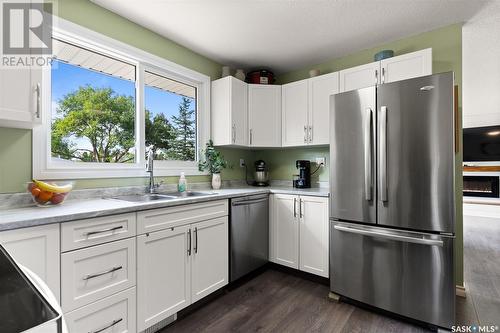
x=285 y=230
x=360 y=77
x=229 y=112
x=314 y=235
x=264 y=115
x=320 y=89
x=163 y=275
x=210 y=257
x=239 y=112
x=407 y=66
x=19 y=106
x=38 y=249
x=294 y=113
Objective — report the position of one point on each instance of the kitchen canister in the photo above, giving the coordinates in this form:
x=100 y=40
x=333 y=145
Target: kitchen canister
x=226 y=71
x=314 y=72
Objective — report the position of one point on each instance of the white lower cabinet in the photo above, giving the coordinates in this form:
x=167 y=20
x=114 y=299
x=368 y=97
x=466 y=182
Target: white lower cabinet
x=178 y=266
x=299 y=232
x=99 y=271
x=209 y=265
x=114 y=314
x=38 y=249
x=163 y=274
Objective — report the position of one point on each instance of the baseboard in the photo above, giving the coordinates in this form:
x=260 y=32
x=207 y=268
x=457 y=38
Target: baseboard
x=460 y=291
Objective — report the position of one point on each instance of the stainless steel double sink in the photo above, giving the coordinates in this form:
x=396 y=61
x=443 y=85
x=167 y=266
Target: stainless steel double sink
x=160 y=196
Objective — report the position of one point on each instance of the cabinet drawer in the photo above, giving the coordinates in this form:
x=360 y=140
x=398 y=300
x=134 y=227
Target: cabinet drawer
x=112 y=314
x=96 y=272
x=83 y=233
x=158 y=219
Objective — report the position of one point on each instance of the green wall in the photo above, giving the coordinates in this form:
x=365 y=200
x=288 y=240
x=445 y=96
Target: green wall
x=446 y=46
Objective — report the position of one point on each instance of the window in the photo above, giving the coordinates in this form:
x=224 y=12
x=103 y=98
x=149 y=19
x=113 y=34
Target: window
x=105 y=104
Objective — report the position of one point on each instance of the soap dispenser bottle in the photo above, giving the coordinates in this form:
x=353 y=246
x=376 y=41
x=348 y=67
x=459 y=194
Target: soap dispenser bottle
x=182 y=187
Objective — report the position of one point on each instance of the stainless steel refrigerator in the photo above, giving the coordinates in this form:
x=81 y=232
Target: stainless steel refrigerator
x=392 y=201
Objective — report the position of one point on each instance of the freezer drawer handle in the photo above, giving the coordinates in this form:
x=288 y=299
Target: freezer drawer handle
x=383 y=153
x=248 y=202
x=390 y=236
x=368 y=154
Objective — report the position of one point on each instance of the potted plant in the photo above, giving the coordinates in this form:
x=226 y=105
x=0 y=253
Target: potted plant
x=214 y=162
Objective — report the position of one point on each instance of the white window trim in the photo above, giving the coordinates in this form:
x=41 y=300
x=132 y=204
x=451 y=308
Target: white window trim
x=45 y=168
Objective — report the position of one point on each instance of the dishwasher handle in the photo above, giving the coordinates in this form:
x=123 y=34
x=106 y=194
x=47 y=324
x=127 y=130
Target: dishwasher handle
x=248 y=202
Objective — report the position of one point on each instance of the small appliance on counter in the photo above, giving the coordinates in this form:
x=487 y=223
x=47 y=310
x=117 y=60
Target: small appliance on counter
x=304 y=176
x=261 y=174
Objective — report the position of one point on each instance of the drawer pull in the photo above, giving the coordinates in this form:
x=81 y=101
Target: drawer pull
x=111 y=270
x=90 y=233
x=113 y=323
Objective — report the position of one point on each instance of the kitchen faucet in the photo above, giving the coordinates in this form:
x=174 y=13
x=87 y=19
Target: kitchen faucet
x=149 y=168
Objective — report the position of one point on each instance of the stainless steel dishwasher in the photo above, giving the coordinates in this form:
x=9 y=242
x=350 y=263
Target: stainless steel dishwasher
x=249 y=234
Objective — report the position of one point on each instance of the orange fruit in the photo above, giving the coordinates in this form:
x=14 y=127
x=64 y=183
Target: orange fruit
x=35 y=191
x=45 y=195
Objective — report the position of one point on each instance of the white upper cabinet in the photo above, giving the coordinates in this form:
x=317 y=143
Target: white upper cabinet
x=229 y=112
x=295 y=104
x=406 y=66
x=402 y=67
x=264 y=115
x=320 y=89
x=20 y=93
x=360 y=76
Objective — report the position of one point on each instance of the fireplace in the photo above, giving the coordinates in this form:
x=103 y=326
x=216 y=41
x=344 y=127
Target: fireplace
x=481 y=186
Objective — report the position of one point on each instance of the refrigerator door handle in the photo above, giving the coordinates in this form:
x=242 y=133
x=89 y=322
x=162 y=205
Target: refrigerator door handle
x=380 y=234
x=368 y=154
x=383 y=153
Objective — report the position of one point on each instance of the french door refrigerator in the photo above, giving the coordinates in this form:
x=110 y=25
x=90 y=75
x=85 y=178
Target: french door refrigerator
x=392 y=207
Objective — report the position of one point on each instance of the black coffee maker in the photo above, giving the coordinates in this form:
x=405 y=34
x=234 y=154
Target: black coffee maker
x=304 y=176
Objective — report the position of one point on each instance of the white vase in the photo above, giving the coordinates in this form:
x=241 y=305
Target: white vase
x=216 y=181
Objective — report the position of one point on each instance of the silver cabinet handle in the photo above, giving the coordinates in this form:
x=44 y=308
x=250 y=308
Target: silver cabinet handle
x=195 y=240
x=94 y=275
x=113 y=323
x=37 y=110
x=383 y=75
x=384 y=235
x=368 y=154
x=305 y=134
x=294 y=207
x=376 y=76
x=383 y=153
x=310 y=134
x=301 y=215
x=189 y=242
x=233 y=133
x=90 y=233
x=251 y=136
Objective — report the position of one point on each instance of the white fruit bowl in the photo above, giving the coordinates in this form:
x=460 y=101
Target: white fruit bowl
x=46 y=194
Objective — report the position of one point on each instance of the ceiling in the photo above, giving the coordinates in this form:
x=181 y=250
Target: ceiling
x=285 y=35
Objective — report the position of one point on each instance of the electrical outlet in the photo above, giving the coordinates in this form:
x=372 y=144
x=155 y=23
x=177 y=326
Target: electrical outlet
x=321 y=160
x=242 y=163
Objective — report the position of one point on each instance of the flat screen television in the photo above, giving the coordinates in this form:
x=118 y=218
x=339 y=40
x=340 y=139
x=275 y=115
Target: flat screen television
x=481 y=144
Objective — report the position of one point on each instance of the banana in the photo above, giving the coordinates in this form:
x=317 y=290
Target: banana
x=52 y=188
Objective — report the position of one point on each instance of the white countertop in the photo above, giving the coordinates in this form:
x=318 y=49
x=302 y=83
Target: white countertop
x=88 y=208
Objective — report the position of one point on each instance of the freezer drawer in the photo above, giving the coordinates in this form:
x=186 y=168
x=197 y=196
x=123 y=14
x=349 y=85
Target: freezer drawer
x=407 y=273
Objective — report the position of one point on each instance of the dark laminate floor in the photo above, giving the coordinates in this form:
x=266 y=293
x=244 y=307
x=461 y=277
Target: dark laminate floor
x=482 y=263
x=275 y=301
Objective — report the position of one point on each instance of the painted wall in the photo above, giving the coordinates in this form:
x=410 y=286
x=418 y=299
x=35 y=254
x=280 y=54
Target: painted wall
x=15 y=144
x=446 y=44
x=481 y=69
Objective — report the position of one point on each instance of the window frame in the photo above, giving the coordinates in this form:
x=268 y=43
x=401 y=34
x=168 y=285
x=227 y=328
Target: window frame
x=43 y=165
